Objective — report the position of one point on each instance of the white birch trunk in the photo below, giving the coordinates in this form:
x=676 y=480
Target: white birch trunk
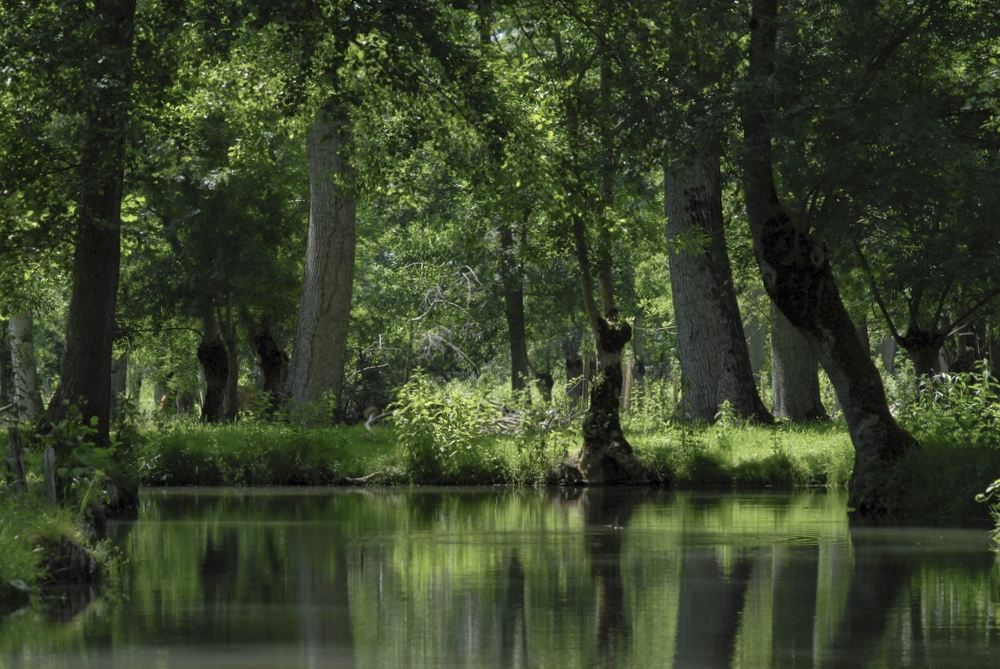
x=22 y=356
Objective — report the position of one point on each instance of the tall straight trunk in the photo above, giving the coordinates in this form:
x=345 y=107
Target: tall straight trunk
x=797 y=276
x=233 y=365
x=85 y=378
x=513 y=299
x=320 y=351
x=22 y=355
x=714 y=358
x=794 y=373
x=6 y=368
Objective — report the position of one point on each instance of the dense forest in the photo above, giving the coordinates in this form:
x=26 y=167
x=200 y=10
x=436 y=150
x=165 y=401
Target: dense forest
x=305 y=204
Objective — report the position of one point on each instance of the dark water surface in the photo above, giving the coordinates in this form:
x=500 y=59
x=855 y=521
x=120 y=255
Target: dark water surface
x=522 y=578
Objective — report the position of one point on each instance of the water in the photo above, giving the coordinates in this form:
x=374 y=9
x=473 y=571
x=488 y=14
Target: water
x=508 y=578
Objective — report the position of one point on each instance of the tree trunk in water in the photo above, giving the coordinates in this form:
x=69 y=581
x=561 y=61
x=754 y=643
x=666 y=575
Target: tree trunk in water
x=794 y=373
x=513 y=299
x=320 y=351
x=85 y=377
x=22 y=356
x=798 y=278
x=712 y=348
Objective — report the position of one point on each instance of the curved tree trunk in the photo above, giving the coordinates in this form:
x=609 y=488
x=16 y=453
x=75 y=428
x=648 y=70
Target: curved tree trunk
x=320 y=351
x=713 y=350
x=794 y=373
x=798 y=278
x=85 y=377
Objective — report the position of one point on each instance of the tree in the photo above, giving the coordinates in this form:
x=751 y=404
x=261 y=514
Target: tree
x=712 y=347
x=106 y=70
x=320 y=350
x=797 y=275
x=794 y=377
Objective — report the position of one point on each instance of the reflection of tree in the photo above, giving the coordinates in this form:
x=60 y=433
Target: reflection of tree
x=513 y=624
x=607 y=512
x=218 y=568
x=878 y=579
x=794 y=596
x=324 y=605
x=710 y=602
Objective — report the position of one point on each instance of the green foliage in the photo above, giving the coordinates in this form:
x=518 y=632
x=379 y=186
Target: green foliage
x=441 y=430
x=82 y=464
x=956 y=418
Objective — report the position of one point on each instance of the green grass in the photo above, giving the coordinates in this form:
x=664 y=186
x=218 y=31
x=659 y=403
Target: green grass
x=280 y=454
x=25 y=521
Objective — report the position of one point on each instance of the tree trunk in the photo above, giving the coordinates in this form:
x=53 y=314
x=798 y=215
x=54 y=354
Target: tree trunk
x=273 y=365
x=636 y=371
x=574 y=371
x=231 y=342
x=711 y=345
x=6 y=368
x=513 y=299
x=797 y=276
x=215 y=364
x=119 y=385
x=22 y=356
x=794 y=373
x=924 y=351
x=85 y=378
x=320 y=351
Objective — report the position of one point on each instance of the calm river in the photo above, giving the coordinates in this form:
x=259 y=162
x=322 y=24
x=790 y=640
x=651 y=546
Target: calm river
x=521 y=578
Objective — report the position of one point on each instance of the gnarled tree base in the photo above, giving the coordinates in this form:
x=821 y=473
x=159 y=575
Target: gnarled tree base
x=606 y=457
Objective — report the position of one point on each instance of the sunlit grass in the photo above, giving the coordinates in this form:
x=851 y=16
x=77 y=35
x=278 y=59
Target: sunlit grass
x=280 y=454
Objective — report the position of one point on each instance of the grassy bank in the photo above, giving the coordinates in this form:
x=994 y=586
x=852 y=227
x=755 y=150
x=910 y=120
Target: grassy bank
x=391 y=454
x=29 y=528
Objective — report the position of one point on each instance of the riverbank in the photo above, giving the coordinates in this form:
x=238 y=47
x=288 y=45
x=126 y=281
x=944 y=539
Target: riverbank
x=42 y=547
x=192 y=454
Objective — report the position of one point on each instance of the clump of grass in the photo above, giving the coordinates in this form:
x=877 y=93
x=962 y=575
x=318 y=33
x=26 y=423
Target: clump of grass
x=748 y=456
x=259 y=454
x=27 y=522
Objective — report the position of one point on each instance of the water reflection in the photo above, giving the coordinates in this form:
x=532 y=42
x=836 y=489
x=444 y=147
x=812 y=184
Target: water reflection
x=508 y=578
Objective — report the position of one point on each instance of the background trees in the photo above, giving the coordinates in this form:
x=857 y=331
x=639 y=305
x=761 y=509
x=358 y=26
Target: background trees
x=475 y=166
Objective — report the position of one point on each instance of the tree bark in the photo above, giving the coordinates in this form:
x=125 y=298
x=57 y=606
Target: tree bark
x=797 y=276
x=85 y=378
x=22 y=355
x=274 y=366
x=513 y=299
x=231 y=341
x=320 y=351
x=794 y=373
x=712 y=348
x=215 y=365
